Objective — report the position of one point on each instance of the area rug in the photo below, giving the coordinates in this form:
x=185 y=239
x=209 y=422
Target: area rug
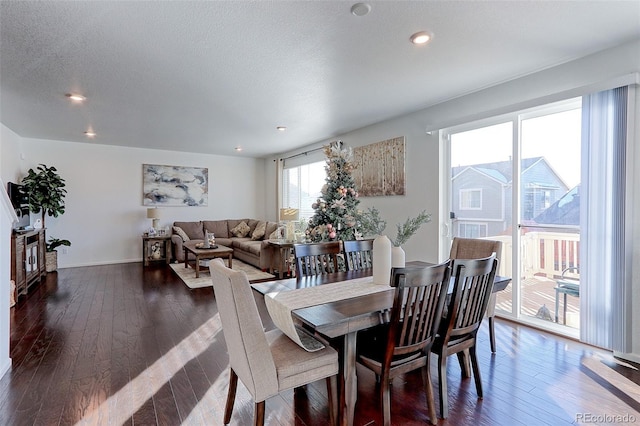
x=188 y=275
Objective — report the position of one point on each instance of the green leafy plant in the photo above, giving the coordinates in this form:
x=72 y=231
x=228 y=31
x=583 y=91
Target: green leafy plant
x=410 y=227
x=54 y=243
x=370 y=222
x=45 y=191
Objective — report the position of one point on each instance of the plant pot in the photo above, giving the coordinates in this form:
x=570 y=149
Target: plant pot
x=51 y=261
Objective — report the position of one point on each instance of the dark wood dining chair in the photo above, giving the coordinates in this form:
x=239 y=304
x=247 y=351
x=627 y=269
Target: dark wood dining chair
x=358 y=254
x=317 y=258
x=404 y=344
x=473 y=284
x=477 y=248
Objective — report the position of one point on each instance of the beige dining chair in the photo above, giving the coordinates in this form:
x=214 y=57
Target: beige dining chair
x=476 y=248
x=473 y=284
x=358 y=254
x=404 y=344
x=317 y=258
x=269 y=362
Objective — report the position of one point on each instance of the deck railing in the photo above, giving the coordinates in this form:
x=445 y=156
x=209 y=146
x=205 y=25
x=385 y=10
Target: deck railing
x=543 y=254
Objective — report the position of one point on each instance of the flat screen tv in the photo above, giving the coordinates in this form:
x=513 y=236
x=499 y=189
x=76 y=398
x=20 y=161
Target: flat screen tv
x=20 y=203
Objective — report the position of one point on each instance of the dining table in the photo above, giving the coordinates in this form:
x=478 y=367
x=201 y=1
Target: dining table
x=339 y=321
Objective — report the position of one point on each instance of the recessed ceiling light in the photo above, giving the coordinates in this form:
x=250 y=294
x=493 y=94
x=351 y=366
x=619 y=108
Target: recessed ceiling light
x=360 y=9
x=420 y=38
x=90 y=134
x=238 y=148
x=281 y=128
x=76 y=97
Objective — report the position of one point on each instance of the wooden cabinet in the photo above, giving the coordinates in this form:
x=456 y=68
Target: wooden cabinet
x=156 y=248
x=27 y=259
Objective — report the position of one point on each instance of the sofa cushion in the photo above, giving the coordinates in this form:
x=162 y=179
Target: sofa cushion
x=180 y=232
x=241 y=230
x=194 y=230
x=247 y=245
x=269 y=232
x=259 y=231
x=218 y=227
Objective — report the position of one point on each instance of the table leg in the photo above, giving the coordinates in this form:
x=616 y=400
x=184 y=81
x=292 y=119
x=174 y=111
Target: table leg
x=349 y=385
x=197 y=266
x=186 y=258
x=230 y=257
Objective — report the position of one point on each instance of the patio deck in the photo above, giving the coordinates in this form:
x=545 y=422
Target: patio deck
x=539 y=291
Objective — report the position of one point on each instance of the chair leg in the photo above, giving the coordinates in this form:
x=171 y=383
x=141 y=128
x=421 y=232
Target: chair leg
x=463 y=359
x=428 y=389
x=332 y=395
x=564 y=312
x=258 y=414
x=385 y=400
x=492 y=334
x=231 y=396
x=557 y=304
x=442 y=385
x=476 y=370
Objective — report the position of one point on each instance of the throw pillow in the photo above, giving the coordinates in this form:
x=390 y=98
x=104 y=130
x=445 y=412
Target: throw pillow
x=181 y=232
x=258 y=233
x=241 y=230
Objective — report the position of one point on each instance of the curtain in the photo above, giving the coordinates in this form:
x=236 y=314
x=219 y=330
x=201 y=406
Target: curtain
x=605 y=302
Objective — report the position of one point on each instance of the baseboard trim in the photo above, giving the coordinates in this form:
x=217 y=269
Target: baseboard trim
x=627 y=356
x=6 y=367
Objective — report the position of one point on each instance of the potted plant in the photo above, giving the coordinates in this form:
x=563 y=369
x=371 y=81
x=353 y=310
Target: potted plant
x=45 y=191
x=51 y=263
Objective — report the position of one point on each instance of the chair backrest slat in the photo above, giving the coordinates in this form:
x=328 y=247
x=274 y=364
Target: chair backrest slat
x=472 y=290
x=417 y=308
x=316 y=259
x=358 y=254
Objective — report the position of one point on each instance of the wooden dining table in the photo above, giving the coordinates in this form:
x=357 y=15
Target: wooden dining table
x=340 y=321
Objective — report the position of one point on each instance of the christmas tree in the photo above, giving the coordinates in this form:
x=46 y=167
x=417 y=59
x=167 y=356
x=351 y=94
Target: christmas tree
x=336 y=214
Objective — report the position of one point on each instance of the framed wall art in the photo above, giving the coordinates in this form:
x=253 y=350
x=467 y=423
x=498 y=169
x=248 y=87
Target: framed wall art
x=380 y=168
x=174 y=185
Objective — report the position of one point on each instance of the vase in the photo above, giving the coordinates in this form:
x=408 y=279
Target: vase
x=397 y=257
x=381 y=260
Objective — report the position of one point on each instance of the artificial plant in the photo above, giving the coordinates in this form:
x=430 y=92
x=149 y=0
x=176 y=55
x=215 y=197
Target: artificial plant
x=45 y=190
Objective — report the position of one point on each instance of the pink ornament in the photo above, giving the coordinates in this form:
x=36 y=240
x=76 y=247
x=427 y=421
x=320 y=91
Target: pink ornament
x=329 y=226
x=332 y=234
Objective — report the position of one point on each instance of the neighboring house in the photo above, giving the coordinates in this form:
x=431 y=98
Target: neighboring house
x=565 y=211
x=481 y=195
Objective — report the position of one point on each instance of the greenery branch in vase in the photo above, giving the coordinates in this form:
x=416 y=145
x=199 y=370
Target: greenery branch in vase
x=405 y=231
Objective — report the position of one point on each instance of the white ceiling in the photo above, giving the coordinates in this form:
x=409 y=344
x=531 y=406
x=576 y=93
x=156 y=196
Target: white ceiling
x=207 y=76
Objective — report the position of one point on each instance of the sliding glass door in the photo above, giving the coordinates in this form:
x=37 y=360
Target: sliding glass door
x=517 y=179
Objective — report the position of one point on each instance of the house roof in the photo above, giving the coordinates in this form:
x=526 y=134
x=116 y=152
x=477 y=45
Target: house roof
x=499 y=170
x=209 y=76
x=565 y=211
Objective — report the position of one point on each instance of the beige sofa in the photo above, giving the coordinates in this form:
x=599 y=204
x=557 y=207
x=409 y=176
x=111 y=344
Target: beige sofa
x=252 y=248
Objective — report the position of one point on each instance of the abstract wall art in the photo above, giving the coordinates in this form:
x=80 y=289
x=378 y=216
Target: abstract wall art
x=380 y=168
x=174 y=185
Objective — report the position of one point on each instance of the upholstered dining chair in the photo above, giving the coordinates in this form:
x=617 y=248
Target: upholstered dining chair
x=476 y=248
x=266 y=362
x=358 y=254
x=404 y=344
x=457 y=334
x=317 y=258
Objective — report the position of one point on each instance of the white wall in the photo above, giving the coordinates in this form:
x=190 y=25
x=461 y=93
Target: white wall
x=104 y=215
x=589 y=74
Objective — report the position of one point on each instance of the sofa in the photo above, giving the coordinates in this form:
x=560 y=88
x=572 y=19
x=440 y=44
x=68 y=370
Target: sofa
x=248 y=242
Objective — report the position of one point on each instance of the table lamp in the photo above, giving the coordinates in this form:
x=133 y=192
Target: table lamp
x=289 y=216
x=154 y=214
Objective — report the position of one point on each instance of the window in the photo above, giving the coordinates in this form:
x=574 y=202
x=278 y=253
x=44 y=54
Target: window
x=471 y=199
x=301 y=186
x=472 y=230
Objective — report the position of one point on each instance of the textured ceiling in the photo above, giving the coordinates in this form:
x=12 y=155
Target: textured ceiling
x=207 y=76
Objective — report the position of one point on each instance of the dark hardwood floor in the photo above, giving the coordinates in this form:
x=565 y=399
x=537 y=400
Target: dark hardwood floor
x=123 y=344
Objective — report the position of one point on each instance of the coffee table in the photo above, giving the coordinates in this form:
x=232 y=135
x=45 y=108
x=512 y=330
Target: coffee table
x=204 y=254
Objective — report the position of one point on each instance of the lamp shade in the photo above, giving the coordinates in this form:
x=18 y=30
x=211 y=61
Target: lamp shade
x=288 y=214
x=153 y=213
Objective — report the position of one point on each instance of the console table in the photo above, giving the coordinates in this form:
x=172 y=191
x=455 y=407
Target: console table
x=27 y=259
